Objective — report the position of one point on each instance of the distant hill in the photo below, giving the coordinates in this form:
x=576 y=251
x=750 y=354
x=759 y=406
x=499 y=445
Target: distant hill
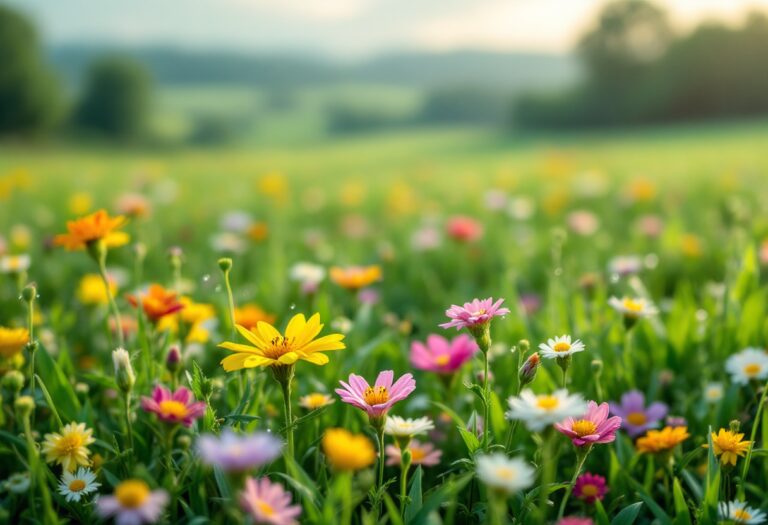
x=506 y=71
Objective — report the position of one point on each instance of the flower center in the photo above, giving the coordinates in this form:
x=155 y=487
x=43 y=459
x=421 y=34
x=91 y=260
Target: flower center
x=633 y=305
x=505 y=473
x=69 y=444
x=132 y=494
x=278 y=346
x=562 y=346
x=442 y=360
x=265 y=508
x=589 y=490
x=752 y=369
x=584 y=427
x=742 y=515
x=173 y=409
x=478 y=313
x=76 y=485
x=547 y=402
x=417 y=454
x=316 y=400
x=636 y=418
x=376 y=395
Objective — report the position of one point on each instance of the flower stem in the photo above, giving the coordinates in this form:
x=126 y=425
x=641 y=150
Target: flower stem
x=102 y=262
x=405 y=465
x=748 y=458
x=380 y=434
x=128 y=423
x=285 y=385
x=497 y=508
x=487 y=402
x=569 y=489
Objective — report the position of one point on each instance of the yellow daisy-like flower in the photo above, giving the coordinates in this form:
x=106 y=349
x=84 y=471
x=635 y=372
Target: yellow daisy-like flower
x=98 y=226
x=729 y=446
x=347 y=451
x=12 y=341
x=69 y=446
x=356 y=277
x=91 y=290
x=315 y=400
x=271 y=348
x=662 y=440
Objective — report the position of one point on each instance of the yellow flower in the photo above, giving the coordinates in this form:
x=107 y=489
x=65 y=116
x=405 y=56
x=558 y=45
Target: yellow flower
x=95 y=227
x=355 y=277
x=347 y=451
x=91 y=290
x=662 y=440
x=69 y=447
x=271 y=348
x=80 y=203
x=315 y=400
x=12 y=341
x=729 y=446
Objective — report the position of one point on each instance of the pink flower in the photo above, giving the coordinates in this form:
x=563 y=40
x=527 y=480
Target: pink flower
x=594 y=427
x=440 y=355
x=376 y=400
x=268 y=502
x=474 y=314
x=575 y=520
x=174 y=407
x=133 y=503
x=464 y=229
x=421 y=454
x=590 y=487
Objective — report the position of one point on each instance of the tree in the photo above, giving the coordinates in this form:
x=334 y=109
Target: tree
x=116 y=99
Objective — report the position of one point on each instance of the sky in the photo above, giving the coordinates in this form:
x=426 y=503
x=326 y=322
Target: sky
x=343 y=28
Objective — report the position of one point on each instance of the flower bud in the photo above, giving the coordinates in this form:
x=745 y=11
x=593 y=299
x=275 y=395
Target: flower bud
x=124 y=375
x=734 y=425
x=527 y=372
x=225 y=264
x=14 y=381
x=184 y=442
x=24 y=406
x=29 y=293
x=524 y=345
x=173 y=359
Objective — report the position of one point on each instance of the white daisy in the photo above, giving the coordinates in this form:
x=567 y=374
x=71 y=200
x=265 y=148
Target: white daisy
x=401 y=427
x=502 y=473
x=560 y=347
x=74 y=486
x=713 y=392
x=14 y=263
x=633 y=307
x=540 y=411
x=739 y=512
x=625 y=265
x=307 y=273
x=749 y=364
x=17 y=483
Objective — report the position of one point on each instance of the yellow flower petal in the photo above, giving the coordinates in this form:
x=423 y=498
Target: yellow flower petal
x=237 y=347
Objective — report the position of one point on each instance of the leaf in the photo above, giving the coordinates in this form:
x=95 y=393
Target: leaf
x=628 y=515
x=392 y=511
x=682 y=513
x=470 y=440
x=600 y=515
x=662 y=517
x=49 y=401
x=498 y=422
x=446 y=491
x=59 y=388
x=414 y=505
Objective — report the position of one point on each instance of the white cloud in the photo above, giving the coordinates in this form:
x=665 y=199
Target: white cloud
x=320 y=10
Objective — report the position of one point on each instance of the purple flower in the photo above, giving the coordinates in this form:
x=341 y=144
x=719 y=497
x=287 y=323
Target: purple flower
x=474 y=314
x=376 y=400
x=174 y=407
x=636 y=418
x=237 y=453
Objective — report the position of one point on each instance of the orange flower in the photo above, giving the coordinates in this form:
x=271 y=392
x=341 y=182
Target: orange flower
x=355 y=277
x=157 y=302
x=99 y=226
x=662 y=440
x=258 y=231
x=249 y=316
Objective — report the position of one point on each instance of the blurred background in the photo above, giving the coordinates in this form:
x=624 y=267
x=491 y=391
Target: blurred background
x=252 y=73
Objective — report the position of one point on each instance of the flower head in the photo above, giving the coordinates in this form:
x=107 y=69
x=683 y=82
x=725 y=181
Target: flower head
x=133 y=503
x=315 y=400
x=593 y=427
x=464 y=229
x=177 y=407
x=268 y=503
x=249 y=315
x=713 y=392
x=540 y=411
x=590 y=487
x=237 y=453
x=729 y=446
x=157 y=302
x=347 y=451
x=271 y=348
x=747 y=365
x=632 y=308
x=663 y=440
x=527 y=371
x=401 y=427
x=636 y=417
x=98 y=226
x=15 y=263
x=376 y=400
x=423 y=454
x=560 y=347
x=12 y=341
x=355 y=277
x=308 y=275
x=91 y=290
x=441 y=355
x=740 y=513
x=505 y=474
x=474 y=314
x=78 y=485
x=69 y=446
x=17 y=483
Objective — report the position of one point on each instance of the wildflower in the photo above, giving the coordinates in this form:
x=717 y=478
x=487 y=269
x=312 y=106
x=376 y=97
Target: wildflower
x=590 y=487
x=75 y=486
x=540 y=411
x=133 y=205
x=729 y=446
x=315 y=400
x=593 y=427
x=632 y=309
x=676 y=421
x=583 y=222
x=475 y=314
x=12 y=341
x=405 y=428
x=15 y=263
x=69 y=446
x=133 y=503
x=124 y=375
x=237 y=221
x=423 y=454
x=739 y=512
x=561 y=348
x=425 y=239
x=96 y=227
x=249 y=315
x=504 y=474
x=228 y=242
x=376 y=400
x=713 y=392
x=270 y=348
x=347 y=451
x=258 y=231
x=177 y=407
x=527 y=372
x=747 y=365
x=268 y=503
x=17 y=483
x=464 y=229
x=441 y=355
x=636 y=417
x=663 y=440
x=355 y=277
x=91 y=290
x=624 y=265
x=308 y=275
x=157 y=302
x=238 y=453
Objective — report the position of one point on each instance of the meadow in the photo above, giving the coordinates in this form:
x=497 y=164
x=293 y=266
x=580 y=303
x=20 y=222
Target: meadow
x=621 y=380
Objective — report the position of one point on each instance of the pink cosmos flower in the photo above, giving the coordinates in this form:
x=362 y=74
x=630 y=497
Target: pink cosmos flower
x=268 y=502
x=421 y=454
x=575 y=520
x=464 y=229
x=376 y=400
x=474 y=314
x=594 y=427
x=590 y=487
x=441 y=355
x=174 y=407
x=133 y=503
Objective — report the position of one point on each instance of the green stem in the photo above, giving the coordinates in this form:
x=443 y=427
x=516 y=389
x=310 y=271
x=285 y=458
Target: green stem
x=346 y=497
x=286 y=387
x=748 y=458
x=497 y=508
x=487 y=403
x=405 y=465
x=380 y=433
x=513 y=426
x=547 y=475
x=128 y=423
x=569 y=489
x=102 y=260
